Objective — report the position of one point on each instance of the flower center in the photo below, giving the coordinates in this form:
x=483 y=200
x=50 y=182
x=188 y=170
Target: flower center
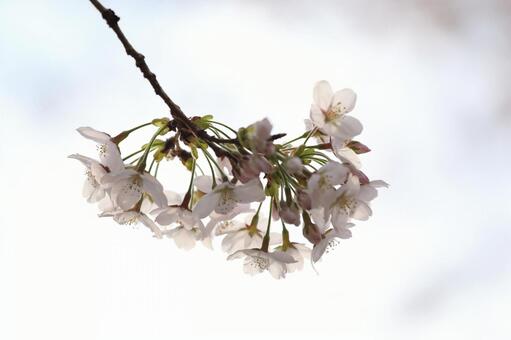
x=331 y=246
x=333 y=112
x=101 y=149
x=258 y=262
x=226 y=196
x=90 y=178
x=347 y=204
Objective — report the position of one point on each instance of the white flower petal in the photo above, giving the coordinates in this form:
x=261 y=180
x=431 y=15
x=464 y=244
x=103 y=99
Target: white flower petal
x=347 y=128
x=278 y=270
x=126 y=194
x=151 y=225
x=206 y=204
x=367 y=193
x=317 y=117
x=345 y=99
x=87 y=161
x=348 y=156
x=323 y=95
x=183 y=238
x=204 y=183
x=362 y=211
x=92 y=134
x=252 y=191
x=153 y=187
x=167 y=216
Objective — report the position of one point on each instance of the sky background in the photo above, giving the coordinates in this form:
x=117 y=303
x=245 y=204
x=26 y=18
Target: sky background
x=432 y=79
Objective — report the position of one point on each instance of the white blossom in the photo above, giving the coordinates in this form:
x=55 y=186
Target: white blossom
x=299 y=252
x=129 y=186
x=258 y=137
x=322 y=189
x=184 y=227
x=344 y=153
x=257 y=261
x=352 y=201
x=241 y=235
x=92 y=189
x=226 y=196
x=329 y=241
x=328 y=112
x=109 y=154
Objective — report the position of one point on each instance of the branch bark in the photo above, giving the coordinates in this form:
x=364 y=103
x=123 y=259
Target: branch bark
x=183 y=121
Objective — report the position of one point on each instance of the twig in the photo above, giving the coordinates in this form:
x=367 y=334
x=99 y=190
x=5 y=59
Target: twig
x=113 y=22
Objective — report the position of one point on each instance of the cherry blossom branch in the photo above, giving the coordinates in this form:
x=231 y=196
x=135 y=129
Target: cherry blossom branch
x=113 y=22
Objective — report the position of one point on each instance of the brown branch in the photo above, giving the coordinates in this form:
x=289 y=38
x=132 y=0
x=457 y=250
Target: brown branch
x=113 y=22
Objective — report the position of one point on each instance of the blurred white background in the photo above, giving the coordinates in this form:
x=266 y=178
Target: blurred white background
x=433 y=84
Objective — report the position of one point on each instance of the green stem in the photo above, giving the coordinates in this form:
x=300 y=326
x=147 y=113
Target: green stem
x=297 y=138
x=151 y=166
x=142 y=162
x=225 y=126
x=313 y=131
x=213 y=175
x=156 y=170
x=266 y=239
x=133 y=154
x=212 y=159
x=190 y=186
x=285 y=237
x=138 y=127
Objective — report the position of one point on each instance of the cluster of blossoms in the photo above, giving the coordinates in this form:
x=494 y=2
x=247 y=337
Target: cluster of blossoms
x=232 y=173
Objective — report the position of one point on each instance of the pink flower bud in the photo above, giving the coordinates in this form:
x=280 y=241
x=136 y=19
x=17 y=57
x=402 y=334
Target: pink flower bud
x=304 y=200
x=289 y=214
x=358 y=147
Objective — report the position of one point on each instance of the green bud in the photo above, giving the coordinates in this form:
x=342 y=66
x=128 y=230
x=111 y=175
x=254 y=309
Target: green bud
x=160 y=122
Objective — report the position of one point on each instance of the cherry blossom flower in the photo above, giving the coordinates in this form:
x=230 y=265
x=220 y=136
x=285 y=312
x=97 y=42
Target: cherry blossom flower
x=257 y=261
x=109 y=153
x=225 y=196
x=321 y=188
x=131 y=217
x=258 y=136
x=352 y=201
x=294 y=166
x=299 y=252
x=328 y=112
x=343 y=152
x=329 y=241
x=289 y=213
x=251 y=166
x=129 y=186
x=187 y=228
x=241 y=235
x=92 y=190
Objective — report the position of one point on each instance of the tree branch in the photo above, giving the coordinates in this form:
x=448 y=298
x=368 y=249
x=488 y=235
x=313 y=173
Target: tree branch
x=113 y=22
x=181 y=119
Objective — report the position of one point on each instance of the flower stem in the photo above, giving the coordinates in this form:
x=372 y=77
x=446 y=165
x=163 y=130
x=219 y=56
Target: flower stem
x=156 y=170
x=313 y=131
x=266 y=239
x=212 y=159
x=189 y=192
x=142 y=162
x=285 y=237
x=225 y=126
x=213 y=175
x=133 y=154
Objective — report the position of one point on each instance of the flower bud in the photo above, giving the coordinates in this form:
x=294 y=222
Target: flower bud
x=358 y=147
x=312 y=233
x=289 y=214
x=294 y=165
x=304 y=200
